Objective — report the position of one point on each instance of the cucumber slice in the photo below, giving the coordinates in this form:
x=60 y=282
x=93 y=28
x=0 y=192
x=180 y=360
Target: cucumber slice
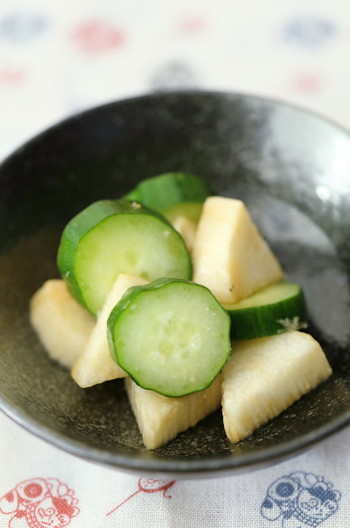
x=272 y=310
x=168 y=189
x=190 y=210
x=170 y=336
x=114 y=236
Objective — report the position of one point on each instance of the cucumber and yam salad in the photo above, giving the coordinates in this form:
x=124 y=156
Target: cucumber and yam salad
x=176 y=291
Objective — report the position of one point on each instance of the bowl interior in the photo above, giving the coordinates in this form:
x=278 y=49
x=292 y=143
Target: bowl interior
x=292 y=169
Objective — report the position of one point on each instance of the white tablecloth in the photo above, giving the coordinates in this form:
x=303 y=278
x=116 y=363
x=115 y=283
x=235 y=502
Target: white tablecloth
x=57 y=58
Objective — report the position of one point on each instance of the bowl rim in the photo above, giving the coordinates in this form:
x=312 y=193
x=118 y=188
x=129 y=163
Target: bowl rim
x=180 y=468
x=166 y=94
x=202 y=467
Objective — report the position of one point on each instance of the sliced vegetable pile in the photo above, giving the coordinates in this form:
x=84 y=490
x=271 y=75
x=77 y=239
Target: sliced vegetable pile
x=175 y=290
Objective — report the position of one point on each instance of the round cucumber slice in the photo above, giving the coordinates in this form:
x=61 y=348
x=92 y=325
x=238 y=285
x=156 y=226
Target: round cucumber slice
x=272 y=310
x=170 y=336
x=168 y=189
x=114 y=236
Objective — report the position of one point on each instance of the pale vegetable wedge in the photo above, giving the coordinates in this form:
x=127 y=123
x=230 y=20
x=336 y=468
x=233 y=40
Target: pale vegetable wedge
x=62 y=325
x=265 y=376
x=160 y=418
x=187 y=229
x=230 y=256
x=95 y=364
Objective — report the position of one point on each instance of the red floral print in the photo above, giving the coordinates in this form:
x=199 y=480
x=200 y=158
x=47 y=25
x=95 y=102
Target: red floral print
x=147 y=485
x=95 y=36
x=39 y=503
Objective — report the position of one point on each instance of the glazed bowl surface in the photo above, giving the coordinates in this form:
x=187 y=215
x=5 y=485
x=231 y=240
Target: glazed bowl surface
x=291 y=167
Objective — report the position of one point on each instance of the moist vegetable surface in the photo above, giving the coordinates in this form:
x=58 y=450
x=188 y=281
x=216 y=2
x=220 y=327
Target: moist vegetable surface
x=229 y=337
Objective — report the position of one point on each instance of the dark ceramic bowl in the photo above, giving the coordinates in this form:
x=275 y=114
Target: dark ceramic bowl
x=293 y=170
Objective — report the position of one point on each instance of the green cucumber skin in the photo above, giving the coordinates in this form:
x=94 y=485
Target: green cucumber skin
x=262 y=321
x=165 y=190
x=74 y=231
x=120 y=310
x=81 y=224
